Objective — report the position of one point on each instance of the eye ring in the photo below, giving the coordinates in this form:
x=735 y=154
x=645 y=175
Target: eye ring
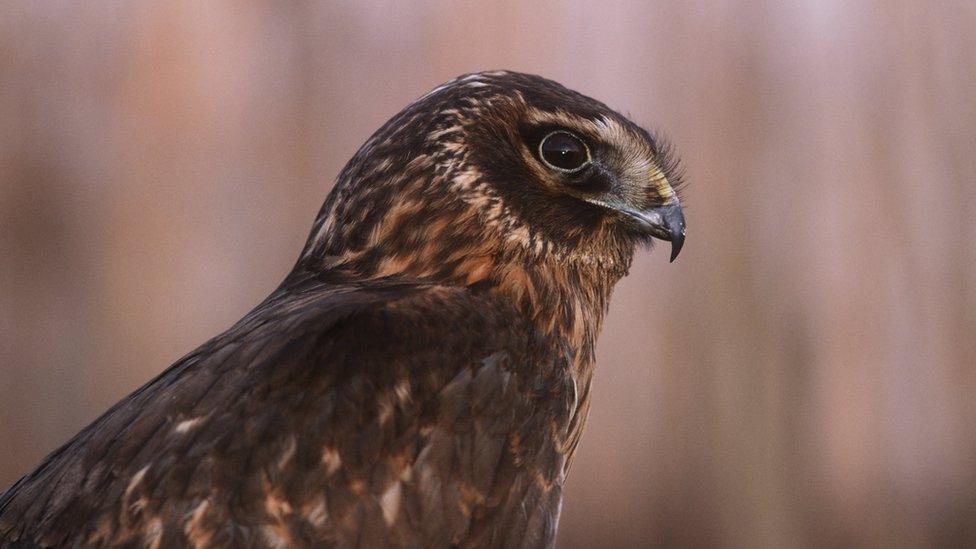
x=564 y=155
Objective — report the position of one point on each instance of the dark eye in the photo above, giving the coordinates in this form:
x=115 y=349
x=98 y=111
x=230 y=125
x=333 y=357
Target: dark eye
x=564 y=151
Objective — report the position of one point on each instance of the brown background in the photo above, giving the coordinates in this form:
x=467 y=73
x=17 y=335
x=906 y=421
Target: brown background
x=804 y=375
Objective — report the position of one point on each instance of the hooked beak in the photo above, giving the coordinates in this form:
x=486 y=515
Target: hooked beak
x=665 y=222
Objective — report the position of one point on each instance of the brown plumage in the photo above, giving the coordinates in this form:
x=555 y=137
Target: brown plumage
x=420 y=378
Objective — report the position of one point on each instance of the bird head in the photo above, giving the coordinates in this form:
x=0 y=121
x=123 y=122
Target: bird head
x=499 y=166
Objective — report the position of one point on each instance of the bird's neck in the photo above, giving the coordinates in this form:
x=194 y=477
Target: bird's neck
x=563 y=296
x=561 y=284
x=567 y=300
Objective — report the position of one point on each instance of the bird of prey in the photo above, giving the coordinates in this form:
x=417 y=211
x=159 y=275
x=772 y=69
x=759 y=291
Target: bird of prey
x=421 y=377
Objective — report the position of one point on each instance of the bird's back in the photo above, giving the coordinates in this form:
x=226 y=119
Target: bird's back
x=376 y=414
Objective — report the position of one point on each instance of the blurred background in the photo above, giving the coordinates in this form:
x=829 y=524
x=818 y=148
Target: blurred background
x=815 y=384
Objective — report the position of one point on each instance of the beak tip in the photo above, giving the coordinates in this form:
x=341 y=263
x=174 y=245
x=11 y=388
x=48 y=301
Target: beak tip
x=676 y=243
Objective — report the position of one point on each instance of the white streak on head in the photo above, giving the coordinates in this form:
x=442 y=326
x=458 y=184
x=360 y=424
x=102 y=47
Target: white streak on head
x=435 y=90
x=331 y=459
x=187 y=424
x=437 y=134
x=273 y=538
x=276 y=507
x=154 y=533
x=390 y=503
x=402 y=391
x=318 y=514
x=135 y=480
x=386 y=410
x=193 y=525
x=288 y=453
x=197 y=513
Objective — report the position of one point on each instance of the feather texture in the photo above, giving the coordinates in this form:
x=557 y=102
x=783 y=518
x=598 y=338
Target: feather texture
x=422 y=376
